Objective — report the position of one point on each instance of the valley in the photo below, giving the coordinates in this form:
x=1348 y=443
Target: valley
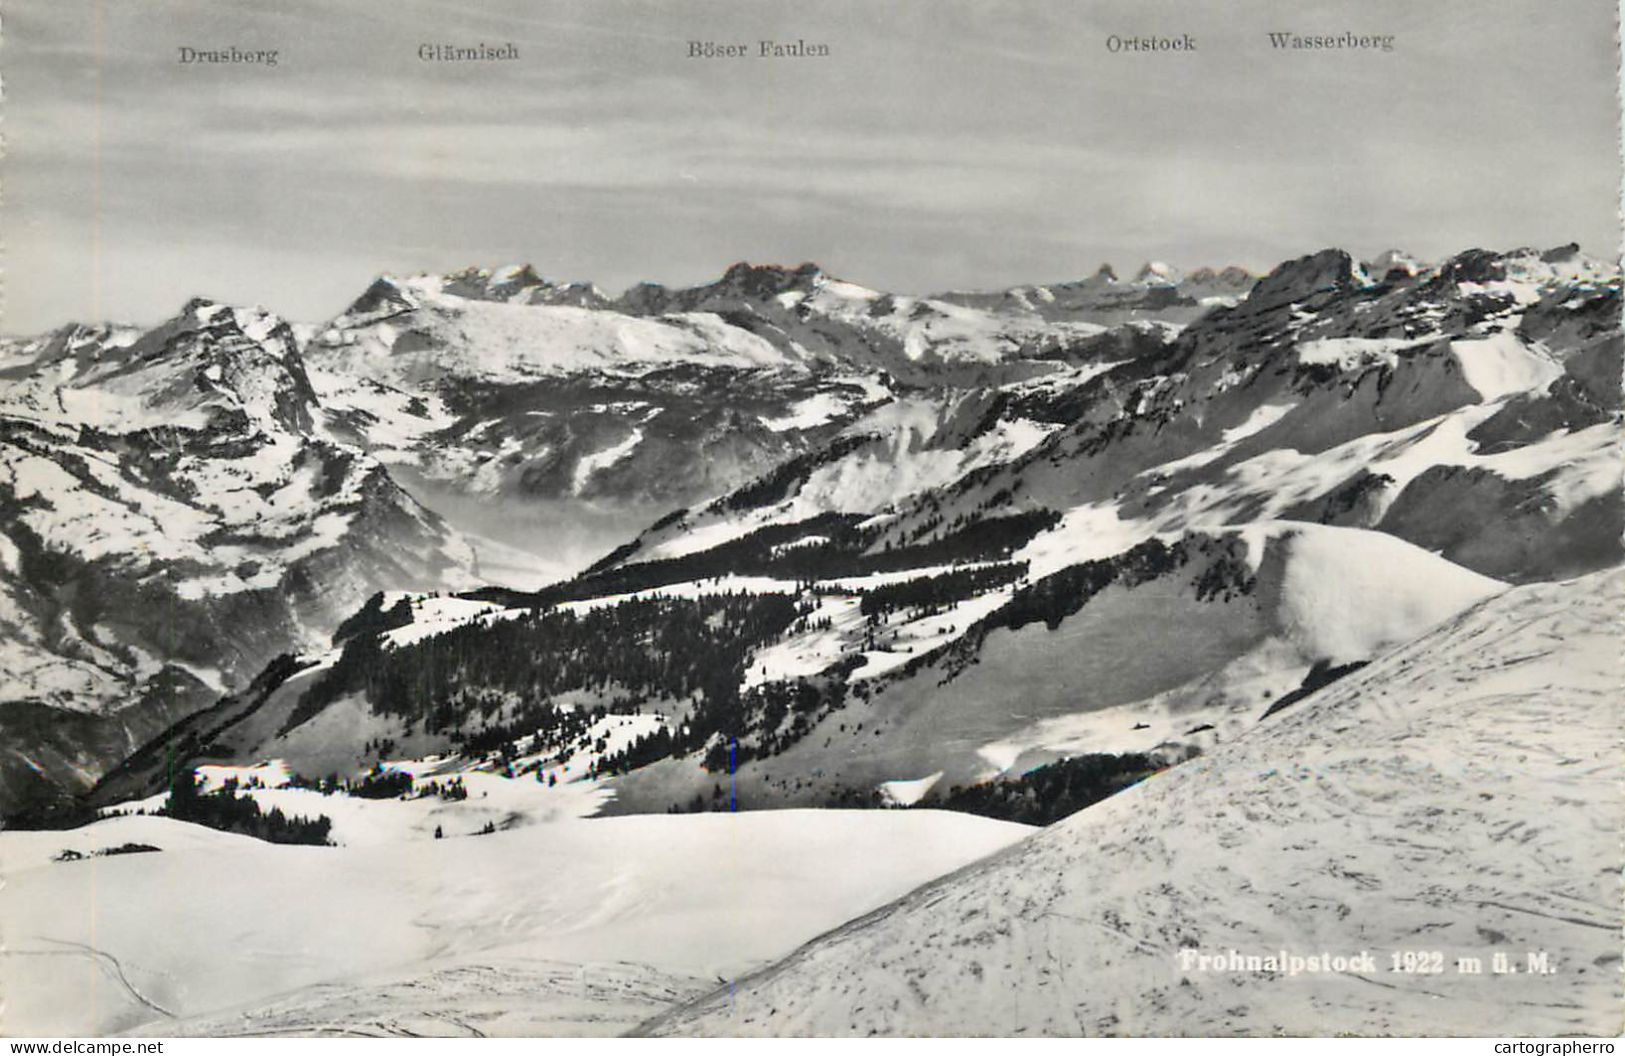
x=601 y=651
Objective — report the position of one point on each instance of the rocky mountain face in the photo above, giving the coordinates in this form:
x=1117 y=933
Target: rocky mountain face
x=1133 y=548
x=172 y=517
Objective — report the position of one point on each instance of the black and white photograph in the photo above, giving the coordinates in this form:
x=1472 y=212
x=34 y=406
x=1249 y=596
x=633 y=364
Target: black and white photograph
x=839 y=519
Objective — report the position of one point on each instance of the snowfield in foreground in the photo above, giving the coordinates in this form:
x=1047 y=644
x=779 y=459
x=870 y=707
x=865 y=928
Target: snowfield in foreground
x=1460 y=794
x=580 y=926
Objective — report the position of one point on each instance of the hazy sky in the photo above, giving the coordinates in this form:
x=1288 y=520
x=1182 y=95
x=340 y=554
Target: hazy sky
x=941 y=145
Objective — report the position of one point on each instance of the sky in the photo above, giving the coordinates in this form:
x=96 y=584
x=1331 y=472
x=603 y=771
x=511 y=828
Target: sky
x=943 y=144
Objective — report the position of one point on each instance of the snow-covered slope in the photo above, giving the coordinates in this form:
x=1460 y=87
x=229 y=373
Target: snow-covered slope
x=408 y=331
x=1458 y=795
x=566 y=928
x=1169 y=647
x=511 y=325
x=924 y=340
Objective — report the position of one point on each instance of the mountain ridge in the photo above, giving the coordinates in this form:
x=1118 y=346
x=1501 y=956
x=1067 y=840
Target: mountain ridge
x=1450 y=410
x=848 y=441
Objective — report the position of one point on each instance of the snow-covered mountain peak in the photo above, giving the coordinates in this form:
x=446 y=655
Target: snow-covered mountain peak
x=1394 y=263
x=1157 y=273
x=1519 y=278
x=204 y=314
x=208 y=325
x=515 y=284
x=387 y=296
x=215 y=358
x=82 y=344
x=1562 y=264
x=505 y=283
x=1474 y=265
x=518 y=284
x=510 y=325
x=203 y=309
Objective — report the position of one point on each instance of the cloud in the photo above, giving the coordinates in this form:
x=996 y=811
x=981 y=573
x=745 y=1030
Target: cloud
x=943 y=143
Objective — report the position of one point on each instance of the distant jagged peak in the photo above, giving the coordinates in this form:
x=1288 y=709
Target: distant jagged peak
x=512 y=284
x=203 y=309
x=77 y=335
x=516 y=276
x=644 y=298
x=523 y=284
x=387 y=296
x=83 y=342
x=1230 y=276
x=207 y=314
x=1394 y=263
x=768 y=280
x=1104 y=278
x=572 y=294
x=1561 y=254
x=1157 y=273
x=499 y=284
x=1482 y=265
x=203 y=326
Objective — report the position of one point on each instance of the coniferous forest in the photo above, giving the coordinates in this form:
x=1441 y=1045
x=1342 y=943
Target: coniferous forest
x=225 y=809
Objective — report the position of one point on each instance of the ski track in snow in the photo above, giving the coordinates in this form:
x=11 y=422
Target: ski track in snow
x=1459 y=794
x=572 y=926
